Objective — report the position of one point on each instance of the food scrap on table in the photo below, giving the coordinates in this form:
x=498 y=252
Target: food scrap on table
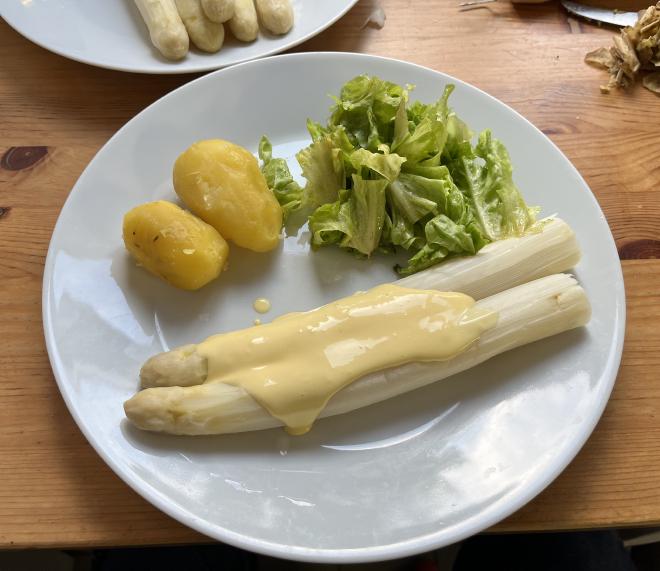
x=376 y=18
x=636 y=51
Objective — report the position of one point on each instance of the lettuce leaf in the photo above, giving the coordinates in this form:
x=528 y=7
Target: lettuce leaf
x=387 y=165
x=323 y=167
x=443 y=238
x=399 y=231
x=426 y=134
x=366 y=109
x=278 y=178
x=355 y=221
x=485 y=177
x=497 y=180
x=326 y=225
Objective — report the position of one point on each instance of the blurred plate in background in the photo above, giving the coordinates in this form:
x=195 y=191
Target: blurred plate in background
x=111 y=34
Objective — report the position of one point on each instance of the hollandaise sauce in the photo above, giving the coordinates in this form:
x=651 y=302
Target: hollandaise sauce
x=295 y=364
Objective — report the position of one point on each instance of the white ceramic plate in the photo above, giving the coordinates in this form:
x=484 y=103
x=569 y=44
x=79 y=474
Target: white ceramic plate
x=401 y=477
x=111 y=33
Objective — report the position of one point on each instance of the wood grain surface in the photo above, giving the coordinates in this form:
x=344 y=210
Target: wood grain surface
x=56 y=114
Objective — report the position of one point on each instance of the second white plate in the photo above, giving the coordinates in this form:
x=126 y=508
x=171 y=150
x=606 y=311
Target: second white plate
x=418 y=472
x=111 y=34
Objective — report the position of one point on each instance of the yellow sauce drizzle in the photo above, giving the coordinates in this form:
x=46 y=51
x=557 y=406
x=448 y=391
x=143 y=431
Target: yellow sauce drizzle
x=293 y=365
x=261 y=305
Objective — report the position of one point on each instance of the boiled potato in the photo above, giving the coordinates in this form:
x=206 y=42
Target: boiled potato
x=221 y=183
x=174 y=245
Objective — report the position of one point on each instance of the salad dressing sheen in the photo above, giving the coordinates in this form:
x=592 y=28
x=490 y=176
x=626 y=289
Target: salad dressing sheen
x=294 y=365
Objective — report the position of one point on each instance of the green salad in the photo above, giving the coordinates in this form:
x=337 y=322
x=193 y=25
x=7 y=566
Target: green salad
x=386 y=173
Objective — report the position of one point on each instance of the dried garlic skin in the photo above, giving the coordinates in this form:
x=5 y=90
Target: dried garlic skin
x=635 y=50
x=600 y=58
x=652 y=82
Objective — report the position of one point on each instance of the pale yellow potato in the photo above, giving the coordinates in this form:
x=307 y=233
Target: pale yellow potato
x=174 y=245
x=222 y=184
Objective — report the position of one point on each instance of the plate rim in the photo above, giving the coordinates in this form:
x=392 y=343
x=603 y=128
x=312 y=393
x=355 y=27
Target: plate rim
x=199 y=68
x=408 y=547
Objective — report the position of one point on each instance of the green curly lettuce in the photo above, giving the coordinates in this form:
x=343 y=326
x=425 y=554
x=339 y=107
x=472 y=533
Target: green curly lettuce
x=386 y=174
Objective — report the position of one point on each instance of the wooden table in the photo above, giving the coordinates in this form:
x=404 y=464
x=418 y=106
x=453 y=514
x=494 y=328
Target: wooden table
x=55 y=115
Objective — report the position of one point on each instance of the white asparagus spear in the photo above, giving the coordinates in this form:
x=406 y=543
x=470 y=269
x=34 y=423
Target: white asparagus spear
x=526 y=313
x=205 y=34
x=168 y=34
x=218 y=10
x=182 y=366
x=505 y=263
x=244 y=24
x=275 y=15
x=497 y=267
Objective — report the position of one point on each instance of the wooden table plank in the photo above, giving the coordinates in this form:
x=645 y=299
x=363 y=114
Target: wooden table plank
x=57 y=492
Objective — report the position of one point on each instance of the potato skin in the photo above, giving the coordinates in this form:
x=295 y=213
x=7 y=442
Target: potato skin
x=174 y=245
x=221 y=183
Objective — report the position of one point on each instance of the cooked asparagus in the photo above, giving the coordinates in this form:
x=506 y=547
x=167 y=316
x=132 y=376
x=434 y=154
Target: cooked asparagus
x=244 y=23
x=499 y=266
x=549 y=248
x=526 y=313
x=168 y=34
x=204 y=33
x=275 y=15
x=218 y=10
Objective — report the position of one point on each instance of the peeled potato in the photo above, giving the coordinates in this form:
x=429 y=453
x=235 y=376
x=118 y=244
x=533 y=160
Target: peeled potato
x=222 y=184
x=174 y=245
